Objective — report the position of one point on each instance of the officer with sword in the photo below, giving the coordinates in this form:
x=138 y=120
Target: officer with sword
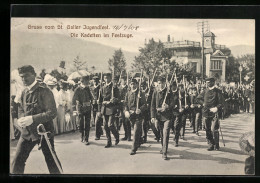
x=36 y=112
x=212 y=101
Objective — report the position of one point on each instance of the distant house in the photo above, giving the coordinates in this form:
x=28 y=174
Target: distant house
x=190 y=52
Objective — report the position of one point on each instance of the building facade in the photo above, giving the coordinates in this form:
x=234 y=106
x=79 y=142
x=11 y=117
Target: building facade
x=190 y=52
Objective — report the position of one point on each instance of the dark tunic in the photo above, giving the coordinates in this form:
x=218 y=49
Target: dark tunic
x=106 y=93
x=39 y=103
x=157 y=101
x=131 y=101
x=85 y=98
x=209 y=99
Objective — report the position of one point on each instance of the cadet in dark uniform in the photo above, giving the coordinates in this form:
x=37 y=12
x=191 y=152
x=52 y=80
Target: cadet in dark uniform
x=37 y=107
x=123 y=88
x=97 y=117
x=247 y=96
x=135 y=112
x=185 y=105
x=145 y=125
x=161 y=110
x=177 y=110
x=212 y=101
x=81 y=105
x=108 y=107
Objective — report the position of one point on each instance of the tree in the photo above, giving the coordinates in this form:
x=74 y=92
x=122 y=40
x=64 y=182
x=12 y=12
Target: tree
x=232 y=68
x=153 y=55
x=118 y=62
x=248 y=64
x=78 y=64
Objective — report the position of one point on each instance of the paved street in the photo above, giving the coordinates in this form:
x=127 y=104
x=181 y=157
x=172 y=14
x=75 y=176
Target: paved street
x=190 y=158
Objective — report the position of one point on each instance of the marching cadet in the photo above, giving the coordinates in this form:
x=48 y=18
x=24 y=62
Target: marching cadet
x=198 y=113
x=145 y=124
x=123 y=89
x=247 y=99
x=81 y=105
x=161 y=110
x=235 y=100
x=97 y=118
x=37 y=107
x=135 y=106
x=153 y=124
x=185 y=105
x=225 y=97
x=193 y=108
x=177 y=110
x=107 y=107
x=212 y=100
x=252 y=99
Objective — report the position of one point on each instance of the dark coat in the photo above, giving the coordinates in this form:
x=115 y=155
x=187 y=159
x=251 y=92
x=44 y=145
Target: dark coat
x=85 y=98
x=106 y=93
x=209 y=99
x=39 y=103
x=157 y=101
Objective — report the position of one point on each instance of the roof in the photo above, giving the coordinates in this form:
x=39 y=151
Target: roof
x=209 y=34
x=218 y=53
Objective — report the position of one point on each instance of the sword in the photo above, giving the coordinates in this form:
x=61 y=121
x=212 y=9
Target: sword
x=54 y=156
x=216 y=116
x=221 y=135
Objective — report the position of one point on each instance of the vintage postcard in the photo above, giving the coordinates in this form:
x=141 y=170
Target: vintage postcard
x=132 y=96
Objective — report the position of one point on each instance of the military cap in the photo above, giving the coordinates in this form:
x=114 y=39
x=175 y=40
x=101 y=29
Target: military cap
x=174 y=84
x=108 y=74
x=161 y=78
x=143 y=83
x=211 y=79
x=95 y=78
x=85 y=78
x=123 y=77
x=134 y=81
x=25 y=69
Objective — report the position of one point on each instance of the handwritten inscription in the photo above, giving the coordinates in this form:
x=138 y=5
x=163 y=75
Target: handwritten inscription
x=86 y=31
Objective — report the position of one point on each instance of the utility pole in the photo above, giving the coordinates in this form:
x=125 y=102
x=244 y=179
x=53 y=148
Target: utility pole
x=202 y=27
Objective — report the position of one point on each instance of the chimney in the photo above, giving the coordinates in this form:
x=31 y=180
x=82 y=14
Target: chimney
x=169 y=38
x=172 y=39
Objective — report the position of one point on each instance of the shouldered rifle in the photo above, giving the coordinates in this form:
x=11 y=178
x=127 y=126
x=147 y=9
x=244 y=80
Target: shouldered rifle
x=178 y=90
x=127 y=78
x=112 y=91
x=151 y=82
x=168 y=90
x=120 y=76
x=139 y=91
x=101 y=79
x=185 y=92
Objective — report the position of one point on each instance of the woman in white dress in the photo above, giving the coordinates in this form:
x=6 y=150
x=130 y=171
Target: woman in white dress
x=51 y=82
x=70 y=92
x=62 y=106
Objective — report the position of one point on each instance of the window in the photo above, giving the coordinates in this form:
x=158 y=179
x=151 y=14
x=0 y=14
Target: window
x=194 y=67
x=216 y=65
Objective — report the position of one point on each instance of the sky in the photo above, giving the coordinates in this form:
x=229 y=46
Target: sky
x=229 y=32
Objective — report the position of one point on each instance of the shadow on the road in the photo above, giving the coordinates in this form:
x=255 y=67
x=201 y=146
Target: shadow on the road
x=197 y=156
x=63 y=142
x=123 y=146
x=233 y=151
